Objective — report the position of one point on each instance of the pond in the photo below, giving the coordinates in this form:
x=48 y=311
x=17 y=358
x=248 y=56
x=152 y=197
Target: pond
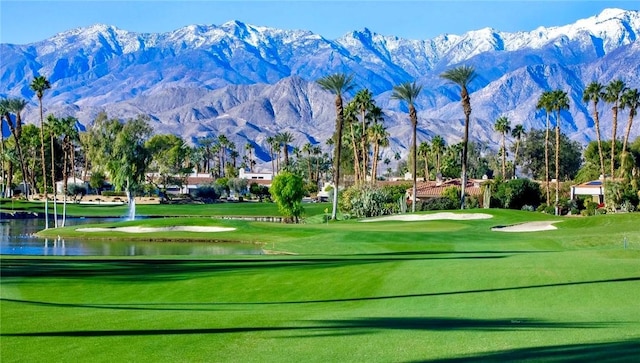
x=17 y=238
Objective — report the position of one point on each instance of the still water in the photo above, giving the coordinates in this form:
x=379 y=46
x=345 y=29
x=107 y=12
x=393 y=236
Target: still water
x=16 y=238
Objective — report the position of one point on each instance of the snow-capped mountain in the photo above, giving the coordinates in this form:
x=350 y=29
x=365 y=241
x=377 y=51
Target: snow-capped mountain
x=250 y=82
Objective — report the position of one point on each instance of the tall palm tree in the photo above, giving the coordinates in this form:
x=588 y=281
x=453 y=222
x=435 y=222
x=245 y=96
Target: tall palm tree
x=69 y=132
x=630 y=99
x=39 y=85
x=438 y=146
x=517 y=133
x=546 y=102
x=379 y=137
x=270 y=140
x=223 y=142
x=560 y=102
x=308 y=148
x=424 y=150
x=285 y=139
x=503 y=126
x=594 y=93
x=249 y=147
x=55 y=128
x=613 y=92
x=463 y=76
x=364 y=103
x=15 y=106
x=337 y=84
x=408 y=92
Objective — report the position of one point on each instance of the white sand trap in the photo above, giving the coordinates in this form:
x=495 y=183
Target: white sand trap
x=161 y=229
x=431 y=217
x=528 y=227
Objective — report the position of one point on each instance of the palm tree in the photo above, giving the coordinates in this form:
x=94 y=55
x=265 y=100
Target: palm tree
x=364 y=103
x=517 y=133
x=67 y=129
x=594 y=93
x=560 y=102
x=379 y=137
x=337 y=84
x=546 y=102
x=249 y=147
x=285 y=138
x=408 y=92
x=424 y=149
x=630 y=99
x=15 y=106
x=270 y=140
x=612 y=94
x=503 y=126
x=308 y=148
x=54 y=125
x=463 y=76
x=223 y=142
x=39 y=85
x=438 y=146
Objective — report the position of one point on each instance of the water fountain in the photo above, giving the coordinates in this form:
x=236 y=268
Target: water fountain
x=132 y=207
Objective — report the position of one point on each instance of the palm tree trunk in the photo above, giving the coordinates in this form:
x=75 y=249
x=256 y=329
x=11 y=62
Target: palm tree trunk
x=515 y=159
x=504 y=158
x=374 y=167
x=16 y=137
x=53 y=183
x=613 y=139
x=356 y=157
x=336 y=155
x=414 y=122
x=44 y=169
x=65 y=177
x=546 y=160
x=557 y=207
x=596 y=119
x=628 y=131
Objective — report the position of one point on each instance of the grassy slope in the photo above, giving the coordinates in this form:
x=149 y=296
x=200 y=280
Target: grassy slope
x=385 y=291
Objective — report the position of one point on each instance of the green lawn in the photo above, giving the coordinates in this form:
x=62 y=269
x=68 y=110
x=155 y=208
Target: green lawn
x=384 y=291
x=217 y=209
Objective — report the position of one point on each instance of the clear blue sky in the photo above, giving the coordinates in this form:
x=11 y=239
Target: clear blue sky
x=26 y=21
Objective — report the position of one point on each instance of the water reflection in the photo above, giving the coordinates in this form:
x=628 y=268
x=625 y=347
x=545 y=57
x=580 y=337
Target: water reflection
x=16 y=238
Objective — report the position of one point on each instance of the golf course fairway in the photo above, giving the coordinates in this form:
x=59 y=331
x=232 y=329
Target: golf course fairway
x=390 y=291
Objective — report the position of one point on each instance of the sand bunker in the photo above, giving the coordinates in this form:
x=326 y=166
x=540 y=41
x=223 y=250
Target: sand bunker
x=161 y=229
x=431 y=217
x=528 y=227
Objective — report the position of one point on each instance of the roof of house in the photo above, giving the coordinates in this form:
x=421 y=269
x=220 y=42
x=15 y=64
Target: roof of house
x=434 y=189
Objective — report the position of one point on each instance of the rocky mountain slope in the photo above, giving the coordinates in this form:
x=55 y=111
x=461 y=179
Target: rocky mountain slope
x=250 y=82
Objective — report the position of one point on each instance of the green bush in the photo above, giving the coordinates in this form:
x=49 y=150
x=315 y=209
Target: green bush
x=111 y=193
x=437 y=204
x=368 y=201
x=206 y=193
x=516 y=193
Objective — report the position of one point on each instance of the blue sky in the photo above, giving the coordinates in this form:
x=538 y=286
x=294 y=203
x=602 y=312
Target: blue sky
x=21 y=24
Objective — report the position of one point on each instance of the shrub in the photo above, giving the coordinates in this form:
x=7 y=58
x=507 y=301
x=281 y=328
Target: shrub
x=369 y=201
x=207 y=193
x=437 y=204
x=516 y=193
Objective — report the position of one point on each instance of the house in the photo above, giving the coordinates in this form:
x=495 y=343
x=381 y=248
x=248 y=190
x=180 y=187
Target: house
x=71 y=180
x=434 y=188
x=594 y=188
x=242 y=174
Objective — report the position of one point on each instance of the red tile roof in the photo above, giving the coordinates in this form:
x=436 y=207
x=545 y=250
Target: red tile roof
x=433 y=189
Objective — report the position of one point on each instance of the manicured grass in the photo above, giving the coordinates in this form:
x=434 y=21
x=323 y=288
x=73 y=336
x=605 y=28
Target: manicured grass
x=383 y=291
x=217 y=209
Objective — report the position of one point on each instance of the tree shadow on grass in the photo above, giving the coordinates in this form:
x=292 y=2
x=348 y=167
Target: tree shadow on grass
x=178 y=269
x=218 y=305
x=620 y=351
x=341 y=327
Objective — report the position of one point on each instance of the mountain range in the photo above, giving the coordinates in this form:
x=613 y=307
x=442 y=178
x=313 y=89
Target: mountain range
x=250 y=82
